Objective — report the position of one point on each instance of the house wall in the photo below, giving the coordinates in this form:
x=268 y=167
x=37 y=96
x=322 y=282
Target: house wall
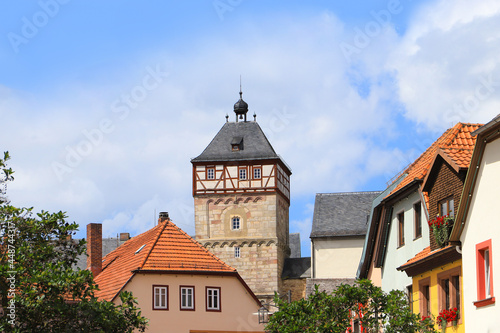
x=448 y=183
x=237 y=305
x=337 y=257
x=297 y=288
x=396 y=256
x=483 y=224
x=434 y=296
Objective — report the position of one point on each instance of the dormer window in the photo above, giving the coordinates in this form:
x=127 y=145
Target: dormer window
x=447 y=206
x=237 y=143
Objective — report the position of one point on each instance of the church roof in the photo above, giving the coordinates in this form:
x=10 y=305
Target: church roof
x=164 y=248
x=253 y=144
x=342 y=214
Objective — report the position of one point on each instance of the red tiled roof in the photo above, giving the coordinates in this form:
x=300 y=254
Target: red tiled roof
x=162 y=248
x=424 y=254
x=456 y=142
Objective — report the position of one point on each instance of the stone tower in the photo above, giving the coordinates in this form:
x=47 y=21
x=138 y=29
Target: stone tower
x=241 y=191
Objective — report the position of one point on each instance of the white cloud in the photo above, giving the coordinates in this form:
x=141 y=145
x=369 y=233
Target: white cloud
x=447 y=64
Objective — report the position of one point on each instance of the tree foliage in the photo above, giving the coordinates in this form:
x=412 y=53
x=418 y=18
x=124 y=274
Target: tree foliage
x=40 y=289
x=333 y=313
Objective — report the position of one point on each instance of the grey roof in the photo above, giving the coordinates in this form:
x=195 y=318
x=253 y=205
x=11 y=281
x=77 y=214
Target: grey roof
x=342 y=214
x=297 y=268
x=294 y=242
x=108 y=245
x=254 y=144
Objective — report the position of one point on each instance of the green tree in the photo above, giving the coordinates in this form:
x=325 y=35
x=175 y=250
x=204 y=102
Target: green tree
x=40 y=289
x=332 y=313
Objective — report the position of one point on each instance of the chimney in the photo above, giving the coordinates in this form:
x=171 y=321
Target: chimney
x=94 y=248
x=163 y=217
x=124 y=236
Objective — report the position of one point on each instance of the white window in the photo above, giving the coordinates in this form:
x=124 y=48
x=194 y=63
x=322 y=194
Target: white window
x=235 y=223
x=213 y=299
x=256 y=173
x=160 y=296
x=210 y=173
x=243 y=174
x=236 y=251
x=187 y=298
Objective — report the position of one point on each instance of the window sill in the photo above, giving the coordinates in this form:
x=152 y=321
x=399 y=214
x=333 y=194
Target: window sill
x=484 y=302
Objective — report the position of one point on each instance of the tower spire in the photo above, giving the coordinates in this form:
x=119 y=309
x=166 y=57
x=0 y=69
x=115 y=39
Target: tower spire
x=241 y=107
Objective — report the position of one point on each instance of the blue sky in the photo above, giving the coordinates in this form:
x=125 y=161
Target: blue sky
x=104 y=103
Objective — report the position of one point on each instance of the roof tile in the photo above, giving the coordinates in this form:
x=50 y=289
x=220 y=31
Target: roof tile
x=457 y=142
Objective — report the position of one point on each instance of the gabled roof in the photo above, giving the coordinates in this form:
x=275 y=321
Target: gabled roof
x=456 y=143
x=164 y=248
x=252 y=140
x=342 y=214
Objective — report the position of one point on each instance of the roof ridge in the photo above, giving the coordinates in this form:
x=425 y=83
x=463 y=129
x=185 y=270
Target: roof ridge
x=154 y=243
x=343 y=193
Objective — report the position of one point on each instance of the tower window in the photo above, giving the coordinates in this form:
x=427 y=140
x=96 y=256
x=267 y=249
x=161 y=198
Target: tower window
x=236 y=251
x=210 y=173
x=243 y=174
x=235 y=223
x=256 y=173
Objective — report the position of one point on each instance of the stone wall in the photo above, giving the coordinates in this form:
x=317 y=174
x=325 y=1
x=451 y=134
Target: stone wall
x=262 y=238
x=327 y=285
x=297 y=287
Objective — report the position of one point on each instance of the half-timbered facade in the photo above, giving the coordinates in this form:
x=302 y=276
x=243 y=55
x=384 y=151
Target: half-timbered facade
x=241 y=191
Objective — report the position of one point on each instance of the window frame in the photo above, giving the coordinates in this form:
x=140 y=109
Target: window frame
x=449 y=296
x=401 y=229
x=210 y=175
x=207 y=297
x=155 y=306
x=245 y=173
x=255 y=170
x=409 y=295
x=482 y=298
x=185 y=307
x=447 y=202
x=232 y=222
x=417 y=220
x=424 y=291
x=237 y=252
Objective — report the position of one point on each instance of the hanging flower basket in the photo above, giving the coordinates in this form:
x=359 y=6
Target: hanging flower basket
x=441 y=228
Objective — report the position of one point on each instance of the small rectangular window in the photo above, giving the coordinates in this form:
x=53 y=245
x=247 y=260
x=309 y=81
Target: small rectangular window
x=213 y=299
x=243 y=174
x=484 y=274
x=256 y=173
x=160 y=297
x=447 y=207
x=210 y=173
x=409 y=295
x=187 y=297
x=424 y=296
x=401 y=229
x=236 y=251
x=449 y=290
x=235 y=223
x=417 y=212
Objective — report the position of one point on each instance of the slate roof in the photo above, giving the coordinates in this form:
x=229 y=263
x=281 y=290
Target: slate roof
x=297 y=268
x=342 y=214
x=255 y=144
x=163 y=248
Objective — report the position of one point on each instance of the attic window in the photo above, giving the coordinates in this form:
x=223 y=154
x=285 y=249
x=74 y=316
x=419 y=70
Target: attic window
x=139 y=250
x=237 y=143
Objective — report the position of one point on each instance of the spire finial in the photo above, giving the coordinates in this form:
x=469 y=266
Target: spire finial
x=241 y=93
